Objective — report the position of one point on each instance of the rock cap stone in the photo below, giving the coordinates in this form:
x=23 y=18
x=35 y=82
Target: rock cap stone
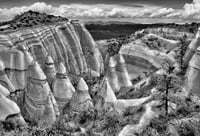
x=82 y=85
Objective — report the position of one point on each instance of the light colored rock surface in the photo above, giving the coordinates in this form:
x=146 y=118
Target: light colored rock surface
x=192 y=48
x=192 y=75
x=81 y=99
x=50 y=69
x=70 y=43
x=111 y=75
x=123 y=76
x=30 y=56
x=7 y=107
x=145 y=120
x=37 y=93
x=62 y=87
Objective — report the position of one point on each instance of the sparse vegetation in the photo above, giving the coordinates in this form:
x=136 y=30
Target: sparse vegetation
x=185 y=117
x=31 y=19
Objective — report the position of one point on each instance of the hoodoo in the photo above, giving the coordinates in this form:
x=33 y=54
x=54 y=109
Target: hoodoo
x=106 y=94
x=193 y=74
x=123 y=76
x=50 y=69
x=81 y=99
x=4 y=80
x=10 y=112
x=49 y=112
x=27 y=57
x=192 y=48
x=106 y=89
x=120 y=105
x=62 y=87
x=112 y=75
x=37 y=92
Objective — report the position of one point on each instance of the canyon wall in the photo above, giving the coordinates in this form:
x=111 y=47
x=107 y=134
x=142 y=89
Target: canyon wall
x=67 y=42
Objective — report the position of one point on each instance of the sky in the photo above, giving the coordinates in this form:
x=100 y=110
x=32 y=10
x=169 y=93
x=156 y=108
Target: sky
x=82 y=9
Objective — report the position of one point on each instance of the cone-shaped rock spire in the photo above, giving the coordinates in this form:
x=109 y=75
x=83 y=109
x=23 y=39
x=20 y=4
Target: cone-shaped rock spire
x=123 y=76
x=62 y=87
x=106 y=91
x=81 y=99
x=36 y=72
x=37 y=92
x=105 y=95
x=106 y=61
x=50 y=69
x=28 y=59
x=112 y=63
x=82 y=85
x=49 y=60
x=112 y=75
x=55 y=105
x=61 y=68
x=49 y=112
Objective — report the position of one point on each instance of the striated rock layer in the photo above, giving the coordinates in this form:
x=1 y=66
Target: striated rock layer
x=66 y=42
x=28 y=61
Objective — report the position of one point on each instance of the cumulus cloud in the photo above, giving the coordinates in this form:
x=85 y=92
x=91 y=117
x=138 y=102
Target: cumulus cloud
x=162 y=12
x=77 y=10
x=190 y=10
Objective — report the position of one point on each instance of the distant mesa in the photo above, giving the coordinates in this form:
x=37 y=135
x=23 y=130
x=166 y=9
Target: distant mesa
x=31 y=19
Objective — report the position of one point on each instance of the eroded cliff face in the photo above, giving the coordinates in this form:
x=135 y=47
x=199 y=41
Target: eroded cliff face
x=144 y=52
x=66 y=42
x=26 y=56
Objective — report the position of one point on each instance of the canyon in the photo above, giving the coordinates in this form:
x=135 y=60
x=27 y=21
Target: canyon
x=53 y=71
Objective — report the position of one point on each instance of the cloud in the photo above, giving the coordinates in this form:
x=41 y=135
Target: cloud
x=190 y=10
x=76 y=10
x=6 y=14
x=162 y=12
